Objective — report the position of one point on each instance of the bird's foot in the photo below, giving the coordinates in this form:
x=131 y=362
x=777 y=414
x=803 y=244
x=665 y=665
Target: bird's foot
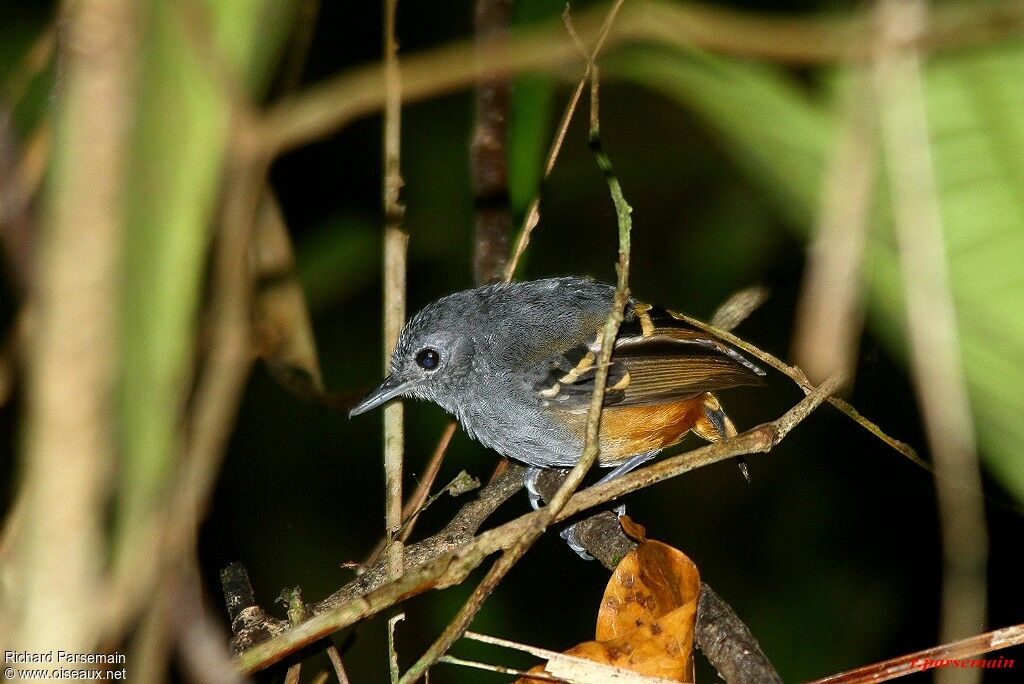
x=572 y=540
x=744 y=468
x=530 y=482
x=574 y=543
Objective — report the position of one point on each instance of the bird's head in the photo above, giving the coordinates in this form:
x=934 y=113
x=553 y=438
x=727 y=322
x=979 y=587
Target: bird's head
x=433 y=357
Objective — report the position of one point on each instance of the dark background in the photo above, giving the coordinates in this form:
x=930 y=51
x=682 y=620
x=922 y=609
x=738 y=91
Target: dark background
x=831 y=554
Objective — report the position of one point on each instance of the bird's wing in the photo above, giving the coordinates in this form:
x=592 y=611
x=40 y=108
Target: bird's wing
x=658 y=358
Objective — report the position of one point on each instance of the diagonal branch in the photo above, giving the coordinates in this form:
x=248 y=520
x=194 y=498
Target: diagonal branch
x=942 y=656
x=797 y=376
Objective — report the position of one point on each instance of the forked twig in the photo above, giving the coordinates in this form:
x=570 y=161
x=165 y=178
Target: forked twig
x=797 y=376
x=532 y=217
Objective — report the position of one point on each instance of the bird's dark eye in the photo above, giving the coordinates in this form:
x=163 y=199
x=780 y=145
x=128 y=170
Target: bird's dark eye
x=428 y=359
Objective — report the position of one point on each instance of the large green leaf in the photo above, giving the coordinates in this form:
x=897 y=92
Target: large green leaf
x=182 y=129
x=781 y=134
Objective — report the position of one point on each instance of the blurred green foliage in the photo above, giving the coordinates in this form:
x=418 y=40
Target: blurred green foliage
x=782 y=135
x=831 y=554
x=174 y=178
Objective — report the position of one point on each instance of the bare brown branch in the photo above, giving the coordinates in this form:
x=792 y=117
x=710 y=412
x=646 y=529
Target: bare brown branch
x=931 y=658
x=488 y=148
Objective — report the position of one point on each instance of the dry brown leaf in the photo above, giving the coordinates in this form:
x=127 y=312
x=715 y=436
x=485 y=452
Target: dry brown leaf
x=647 y=614
x=285 y=331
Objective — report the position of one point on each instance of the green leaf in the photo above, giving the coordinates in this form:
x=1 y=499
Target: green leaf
x=530 y=116
x=173 y=180
x=529 y=134
x=781 y=135
x=772 y=130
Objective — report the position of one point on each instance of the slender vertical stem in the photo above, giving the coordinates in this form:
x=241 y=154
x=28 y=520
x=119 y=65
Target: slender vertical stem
x=69 y=446
x=830 y=311
x=931 y=324
x=395 y=247
x=488 y=149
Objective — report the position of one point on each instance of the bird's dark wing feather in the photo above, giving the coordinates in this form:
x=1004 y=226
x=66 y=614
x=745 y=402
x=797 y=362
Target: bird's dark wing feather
x=658 y=358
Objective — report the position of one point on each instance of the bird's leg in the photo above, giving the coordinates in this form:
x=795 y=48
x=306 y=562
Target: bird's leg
x=631 y=463
x=716 y=426
x=530 y=482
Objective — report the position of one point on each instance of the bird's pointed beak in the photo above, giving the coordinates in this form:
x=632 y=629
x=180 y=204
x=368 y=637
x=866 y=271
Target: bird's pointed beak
x=388 y=390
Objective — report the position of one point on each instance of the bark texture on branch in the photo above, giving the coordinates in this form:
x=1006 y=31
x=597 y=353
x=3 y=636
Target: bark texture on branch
x=488 y=149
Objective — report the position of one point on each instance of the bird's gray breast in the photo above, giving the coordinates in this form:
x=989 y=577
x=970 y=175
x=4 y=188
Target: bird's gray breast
x=507 y=416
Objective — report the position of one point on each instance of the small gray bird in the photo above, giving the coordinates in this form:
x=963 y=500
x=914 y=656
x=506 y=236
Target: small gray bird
x=515 y=364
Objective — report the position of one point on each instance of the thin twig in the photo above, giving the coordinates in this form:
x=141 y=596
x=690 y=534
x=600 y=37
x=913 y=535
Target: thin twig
x=532 y=217
x=396 y=243
x=337 y=664
x=935 y=657
x=738 y=307
x=797 y=376
x=935 y=358
x=392 y=651
x=501 y=669
x=830 y=310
